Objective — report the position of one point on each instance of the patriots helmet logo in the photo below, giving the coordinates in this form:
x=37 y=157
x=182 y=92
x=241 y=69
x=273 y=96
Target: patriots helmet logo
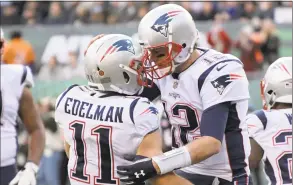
x=151 y=110
x=162 y=23
x=120 y=45
x=223 y=81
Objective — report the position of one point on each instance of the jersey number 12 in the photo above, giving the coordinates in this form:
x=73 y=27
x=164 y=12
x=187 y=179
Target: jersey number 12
x=103 y=136
x=191 y=122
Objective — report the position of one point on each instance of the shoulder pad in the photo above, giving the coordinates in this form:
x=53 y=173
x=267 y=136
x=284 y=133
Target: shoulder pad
x=262 y=117
x=61 y=96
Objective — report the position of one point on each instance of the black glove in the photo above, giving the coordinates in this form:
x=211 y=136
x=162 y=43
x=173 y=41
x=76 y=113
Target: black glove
x=138 y=172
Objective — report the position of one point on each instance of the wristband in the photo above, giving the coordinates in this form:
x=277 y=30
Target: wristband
x=174 y=159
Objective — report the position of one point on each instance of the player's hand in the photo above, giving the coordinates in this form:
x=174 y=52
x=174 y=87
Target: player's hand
x=92 y=41
x=26 y=176
x=138 y=172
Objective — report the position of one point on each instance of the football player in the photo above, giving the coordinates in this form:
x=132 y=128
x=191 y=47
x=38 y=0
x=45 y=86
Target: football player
x=271 y=129
x=16 y=100
x=102 y=122
x=205 y=95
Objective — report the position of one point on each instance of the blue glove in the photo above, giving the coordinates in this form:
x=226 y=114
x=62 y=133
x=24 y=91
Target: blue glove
x=137 y=173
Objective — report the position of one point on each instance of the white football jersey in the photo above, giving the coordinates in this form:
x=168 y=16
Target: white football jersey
x=212 y=79
x=13 y=79
x=101 y=129
x=272 y=130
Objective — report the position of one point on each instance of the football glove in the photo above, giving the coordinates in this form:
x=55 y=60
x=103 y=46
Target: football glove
x=135 y=174
x=26 y=176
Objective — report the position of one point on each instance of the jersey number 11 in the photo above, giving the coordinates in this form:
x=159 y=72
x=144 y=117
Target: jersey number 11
x=103 y=136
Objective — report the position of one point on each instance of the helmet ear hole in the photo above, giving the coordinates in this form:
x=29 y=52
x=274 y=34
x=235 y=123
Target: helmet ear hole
x=126 y=77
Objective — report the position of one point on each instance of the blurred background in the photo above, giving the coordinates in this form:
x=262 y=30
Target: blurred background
x=50 y=37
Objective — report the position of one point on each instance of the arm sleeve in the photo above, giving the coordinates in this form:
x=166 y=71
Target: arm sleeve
x=226 y=82
x=150 y=93
x=215 y=127
x=146 y=119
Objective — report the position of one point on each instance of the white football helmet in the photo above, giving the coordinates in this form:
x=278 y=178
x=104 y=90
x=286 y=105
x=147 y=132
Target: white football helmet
x=111 y=64
x=276 y=85
x=167 y=26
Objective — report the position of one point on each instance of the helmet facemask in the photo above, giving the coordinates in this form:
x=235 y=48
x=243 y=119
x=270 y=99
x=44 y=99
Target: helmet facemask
x=158 y=61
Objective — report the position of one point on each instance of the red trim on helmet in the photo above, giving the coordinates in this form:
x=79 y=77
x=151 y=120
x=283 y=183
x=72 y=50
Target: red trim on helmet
x=151 y=69
x=262 y=86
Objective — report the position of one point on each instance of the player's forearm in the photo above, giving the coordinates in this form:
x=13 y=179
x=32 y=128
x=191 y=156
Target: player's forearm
x=192 y=153
x=36 y=145
x=203 y=148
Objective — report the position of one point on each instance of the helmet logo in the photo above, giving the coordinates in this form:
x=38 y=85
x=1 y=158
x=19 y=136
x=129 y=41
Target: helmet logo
x=162 y=23
x=120 y=45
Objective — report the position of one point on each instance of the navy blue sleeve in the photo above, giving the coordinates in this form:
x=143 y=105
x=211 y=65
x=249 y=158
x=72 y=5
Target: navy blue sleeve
x=151 y=93
x=214 y=120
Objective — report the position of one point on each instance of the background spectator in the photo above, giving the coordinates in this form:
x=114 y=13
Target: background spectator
x=51 y=71
x=208 y=12
x=46 y=12
x=19 y=51
x=248 y=10
x=97 y=12
x=9 y=14
x=272 y=42
x=56 y=14
x=81 y=14
x=265 y=9
x=73 y=69
x=29 y=16
x=249 y=43
x=217 y=37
